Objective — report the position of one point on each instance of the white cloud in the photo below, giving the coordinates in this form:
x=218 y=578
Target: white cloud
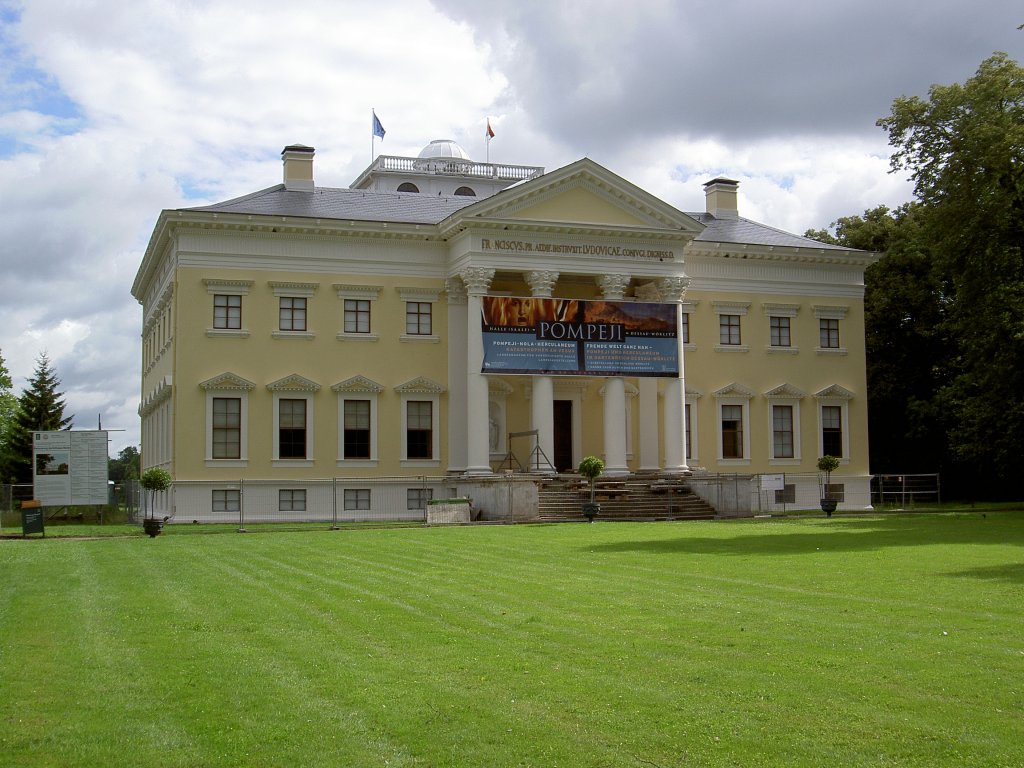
x=111 y=111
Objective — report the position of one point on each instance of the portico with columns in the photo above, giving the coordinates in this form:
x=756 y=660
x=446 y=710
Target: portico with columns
x=535 y=242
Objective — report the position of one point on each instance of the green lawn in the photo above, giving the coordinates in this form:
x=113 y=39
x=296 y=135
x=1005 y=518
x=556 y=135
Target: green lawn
x=855 y=641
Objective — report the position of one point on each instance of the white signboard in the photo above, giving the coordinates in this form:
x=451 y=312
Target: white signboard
x=773 y=482
x=70 y=468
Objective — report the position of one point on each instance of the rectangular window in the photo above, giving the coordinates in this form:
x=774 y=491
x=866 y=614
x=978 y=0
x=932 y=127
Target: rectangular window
x=226 y=501
x=357 y=499
x=685 y=329
x=227 y=311
x=357 y=316
x=832 y=431
x=729 y=329
x=227 y=428
x=732 y=431
x=292 y=429
x=780 y=331
x=293 y=314
x=419 y=429
x=782 y=431
x=836 y=491
x=418 y=498
x=418 y=318
x=357 y=429
x=291 y=500
x=828 y=331
x=787 y=495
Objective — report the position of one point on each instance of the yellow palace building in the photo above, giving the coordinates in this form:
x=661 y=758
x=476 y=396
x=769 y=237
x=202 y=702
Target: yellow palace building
x=301 y=341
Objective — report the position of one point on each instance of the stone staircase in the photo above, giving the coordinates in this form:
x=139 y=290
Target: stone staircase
x=634 y=498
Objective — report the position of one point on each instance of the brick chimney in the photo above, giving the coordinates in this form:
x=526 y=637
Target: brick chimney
x=720 y=195
x=298 y=167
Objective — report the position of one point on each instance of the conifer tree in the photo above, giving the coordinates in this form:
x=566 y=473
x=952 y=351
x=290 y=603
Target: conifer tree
x=40 y=408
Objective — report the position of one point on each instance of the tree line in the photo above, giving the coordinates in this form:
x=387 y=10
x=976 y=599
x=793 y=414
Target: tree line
x=944 y=306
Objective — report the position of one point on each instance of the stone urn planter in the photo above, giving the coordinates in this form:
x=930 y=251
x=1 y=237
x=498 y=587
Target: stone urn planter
x=153 y=480
x=152 y=527
x=827 y=464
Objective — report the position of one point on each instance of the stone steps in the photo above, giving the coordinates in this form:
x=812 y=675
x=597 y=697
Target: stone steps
x=631 y=499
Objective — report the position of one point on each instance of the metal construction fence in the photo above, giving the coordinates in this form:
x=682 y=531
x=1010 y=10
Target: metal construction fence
x=331 y=501
x=905 y=490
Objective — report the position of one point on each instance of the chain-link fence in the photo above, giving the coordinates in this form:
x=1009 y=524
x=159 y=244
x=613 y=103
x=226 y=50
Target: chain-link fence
x=739 y=495
x=905 y=491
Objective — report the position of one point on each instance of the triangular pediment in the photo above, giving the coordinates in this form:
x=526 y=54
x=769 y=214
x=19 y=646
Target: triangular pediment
x=734 y=390
x=227 y=380
x=358 y=384
x=293 y=383
x=834 y=392
x=786 y=390
x=421 y=385
x=583 y=196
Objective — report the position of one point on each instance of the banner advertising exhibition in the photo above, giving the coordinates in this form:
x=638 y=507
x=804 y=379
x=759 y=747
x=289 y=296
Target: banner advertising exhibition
x=576 y=337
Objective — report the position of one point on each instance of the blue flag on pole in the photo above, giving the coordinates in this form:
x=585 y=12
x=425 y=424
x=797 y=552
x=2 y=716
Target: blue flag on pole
x=378 y=129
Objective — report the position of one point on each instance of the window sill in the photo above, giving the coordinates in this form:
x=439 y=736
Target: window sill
x=211 y=463
x=731 y=348
x=356 y=463
x=227 y=333
x=782 y=350
x=416 y=339
x=297 y=463
x=688 y=347
x=357 y=337
x=304 y=335
x=830 y=351
x=734 y=462
x=420 y=463
x=785 y=462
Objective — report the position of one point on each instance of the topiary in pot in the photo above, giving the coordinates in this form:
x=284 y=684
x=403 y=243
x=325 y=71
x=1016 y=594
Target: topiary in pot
x=153 y=480
x=591 y=468
x=828 y=465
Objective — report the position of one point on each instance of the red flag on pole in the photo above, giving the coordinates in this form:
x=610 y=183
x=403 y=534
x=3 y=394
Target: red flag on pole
x=490 y=131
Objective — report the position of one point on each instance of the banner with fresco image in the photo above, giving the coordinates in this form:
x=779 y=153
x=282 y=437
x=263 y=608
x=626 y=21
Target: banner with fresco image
x=576 y=337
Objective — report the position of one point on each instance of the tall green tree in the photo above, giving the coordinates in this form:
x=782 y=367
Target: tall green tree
x=904 y=322
x=125 y=466
x=40 y=407
x=964 y=149
x=8 y=408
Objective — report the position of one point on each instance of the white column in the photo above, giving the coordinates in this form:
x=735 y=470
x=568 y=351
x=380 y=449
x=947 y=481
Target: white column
x=649 y=431
x=476 y=280
x=673 y=289
x=457 y=346
x=542 y=283
x=613 y=287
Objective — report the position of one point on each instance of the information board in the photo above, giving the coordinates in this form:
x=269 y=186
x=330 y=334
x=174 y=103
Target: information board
x=70 y=468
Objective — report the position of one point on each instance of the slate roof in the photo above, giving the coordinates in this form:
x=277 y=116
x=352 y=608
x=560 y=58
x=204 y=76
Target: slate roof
x=417 y=208
x=354 y=204
x=740 y=230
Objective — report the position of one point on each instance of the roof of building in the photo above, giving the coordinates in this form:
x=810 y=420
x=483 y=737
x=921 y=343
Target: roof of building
x=740 y=230
x=335 y=203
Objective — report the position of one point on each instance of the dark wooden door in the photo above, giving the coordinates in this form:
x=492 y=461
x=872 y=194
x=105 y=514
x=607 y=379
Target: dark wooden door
x=563 y=435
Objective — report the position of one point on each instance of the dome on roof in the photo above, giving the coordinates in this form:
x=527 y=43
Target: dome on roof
x=444 y=148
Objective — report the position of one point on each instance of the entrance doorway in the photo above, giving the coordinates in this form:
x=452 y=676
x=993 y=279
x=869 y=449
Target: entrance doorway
x=562 y=411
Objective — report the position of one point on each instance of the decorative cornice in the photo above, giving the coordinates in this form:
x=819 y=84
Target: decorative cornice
x=730 y=307
x=358 y=384
x=234 y=287
x=787 y=391
x=734 y=390
x=348 y=291
x=834 y=392
x=780 y=310
x=227 y=380
x=293 y=289
x=421 y=385
x=293 y=383
x=418 y=293
x=829 y=312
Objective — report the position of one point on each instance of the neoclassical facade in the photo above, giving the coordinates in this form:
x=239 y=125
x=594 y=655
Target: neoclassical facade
x=305 y=332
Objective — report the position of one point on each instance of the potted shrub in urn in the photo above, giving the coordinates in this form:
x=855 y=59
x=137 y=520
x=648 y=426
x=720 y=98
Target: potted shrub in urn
x=828 y=465
x=590 y=468
x=155 y=479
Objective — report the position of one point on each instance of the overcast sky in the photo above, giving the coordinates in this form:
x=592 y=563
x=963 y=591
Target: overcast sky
x=111 y=110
